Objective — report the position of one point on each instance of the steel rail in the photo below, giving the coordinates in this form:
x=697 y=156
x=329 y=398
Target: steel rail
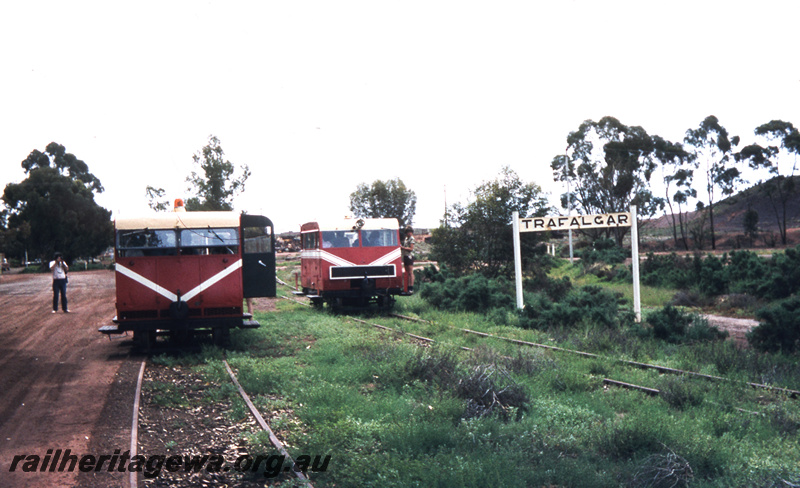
x=273 y=439
x=795 y=394
x=133 y=478
x=655 y=392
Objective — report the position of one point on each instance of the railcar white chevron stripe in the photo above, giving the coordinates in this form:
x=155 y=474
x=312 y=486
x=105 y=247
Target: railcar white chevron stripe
x=147 y=283
x=212 y=281
x=172 y=296
x=387 y=258
x=339 y=261
x=335 y=260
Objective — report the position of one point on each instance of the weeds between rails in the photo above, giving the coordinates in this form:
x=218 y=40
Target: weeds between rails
x=193 y=463
x=794 y=394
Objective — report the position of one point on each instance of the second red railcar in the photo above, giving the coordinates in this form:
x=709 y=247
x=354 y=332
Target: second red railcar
x=352 y=263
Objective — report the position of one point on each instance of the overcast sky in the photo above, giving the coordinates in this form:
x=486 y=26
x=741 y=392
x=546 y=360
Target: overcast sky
x=319 y=96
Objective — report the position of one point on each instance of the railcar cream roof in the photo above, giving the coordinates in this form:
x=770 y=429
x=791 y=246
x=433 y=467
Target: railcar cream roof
x=348 y=224
x=180 y=220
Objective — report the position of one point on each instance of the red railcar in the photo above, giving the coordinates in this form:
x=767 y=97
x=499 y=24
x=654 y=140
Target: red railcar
x=181 y=273
x=352 y=262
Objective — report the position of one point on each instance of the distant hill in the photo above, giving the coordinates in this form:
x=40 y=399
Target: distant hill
x=729 y=213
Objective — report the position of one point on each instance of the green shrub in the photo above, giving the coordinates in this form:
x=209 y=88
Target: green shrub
x=604 y=251
x=783 y=420
x=432 y=274
x=741 y=272
x=779 y=329
x=585 y=305
x=437 y=367
x=783 y=276
x=745 y=271
x=666 y=271
x=471 y=293
x=555 y=288
x=673 y=325
x=709 y=274
x=679 y=392
x=638 y=437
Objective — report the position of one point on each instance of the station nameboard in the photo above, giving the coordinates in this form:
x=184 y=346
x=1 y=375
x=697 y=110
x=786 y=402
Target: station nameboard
x=575 y=222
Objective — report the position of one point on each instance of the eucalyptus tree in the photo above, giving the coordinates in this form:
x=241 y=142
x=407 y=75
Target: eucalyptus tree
x=678 y=167
x=213 y=188
x=712 y=146
x=478 y=235
x=384 y=199
x=156 y=198
x=53 y=208
x=216 y=187
x=609 y=170
x=782 y=187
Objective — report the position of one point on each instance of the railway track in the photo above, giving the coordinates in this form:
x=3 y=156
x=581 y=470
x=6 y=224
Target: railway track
x=243 y=464
x=794 y=394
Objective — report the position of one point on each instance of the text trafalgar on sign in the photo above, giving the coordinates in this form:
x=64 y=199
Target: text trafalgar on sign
x=536 y=224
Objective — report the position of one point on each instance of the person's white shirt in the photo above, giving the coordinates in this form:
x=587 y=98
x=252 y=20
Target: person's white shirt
x=59 y=272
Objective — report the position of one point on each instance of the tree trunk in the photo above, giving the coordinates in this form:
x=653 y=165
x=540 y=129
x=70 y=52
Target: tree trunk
x=711 y=225
x=683 y=228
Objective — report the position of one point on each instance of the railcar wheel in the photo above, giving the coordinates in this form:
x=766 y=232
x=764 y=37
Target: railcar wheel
x=178 y=337
x=144 y=340
x=385 y=302
x=221 y=336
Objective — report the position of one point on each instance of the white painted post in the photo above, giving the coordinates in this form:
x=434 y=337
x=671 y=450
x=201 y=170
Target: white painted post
x=517 y=260
x=637 y=300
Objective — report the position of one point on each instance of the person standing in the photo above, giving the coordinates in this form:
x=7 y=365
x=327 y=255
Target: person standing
x=59 y=269
x=407 y=249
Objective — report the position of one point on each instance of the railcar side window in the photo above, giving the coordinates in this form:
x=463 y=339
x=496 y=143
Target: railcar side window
x=310 y=241
x=257 y=239
x=379 y=238
x=146 y=242
x=339 y=238
x=209 y=241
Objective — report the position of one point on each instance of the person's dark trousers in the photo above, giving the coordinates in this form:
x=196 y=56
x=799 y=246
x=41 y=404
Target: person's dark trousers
x=60 y=286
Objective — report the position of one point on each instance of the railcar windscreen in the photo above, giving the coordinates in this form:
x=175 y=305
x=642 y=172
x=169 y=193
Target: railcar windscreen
x=209 y=241
x=146 y=242
x=339 y=238
x=379 y=238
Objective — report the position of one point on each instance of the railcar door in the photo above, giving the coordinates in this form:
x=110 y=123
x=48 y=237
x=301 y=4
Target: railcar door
x=258 y=256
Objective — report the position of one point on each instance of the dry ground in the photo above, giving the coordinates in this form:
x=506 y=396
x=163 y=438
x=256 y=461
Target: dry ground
x=56 y=371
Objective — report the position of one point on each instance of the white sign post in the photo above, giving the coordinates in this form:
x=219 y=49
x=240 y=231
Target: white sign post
x=620 y=219
x=517 y=260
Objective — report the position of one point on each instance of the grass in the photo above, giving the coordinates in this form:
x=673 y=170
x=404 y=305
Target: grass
x=361 y=396
x=391 y=413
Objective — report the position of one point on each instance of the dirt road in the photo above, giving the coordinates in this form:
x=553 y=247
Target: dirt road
x=56 y=371
x=737 y=328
